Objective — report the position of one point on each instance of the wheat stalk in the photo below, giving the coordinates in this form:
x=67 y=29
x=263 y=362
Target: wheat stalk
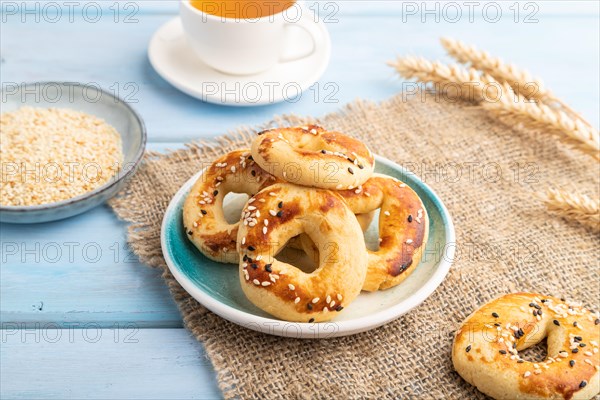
x=520 y=80
x=578 y=207
x=509 y=106
x=515 y=109
x=513 y=106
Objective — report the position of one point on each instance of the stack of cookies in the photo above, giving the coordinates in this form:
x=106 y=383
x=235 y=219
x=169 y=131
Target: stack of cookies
x=313 y=190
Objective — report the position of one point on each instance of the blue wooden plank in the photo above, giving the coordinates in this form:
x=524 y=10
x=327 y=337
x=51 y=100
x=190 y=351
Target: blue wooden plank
x=79 y=270
x=102 y=364
x=371 y=8
x=357 y=67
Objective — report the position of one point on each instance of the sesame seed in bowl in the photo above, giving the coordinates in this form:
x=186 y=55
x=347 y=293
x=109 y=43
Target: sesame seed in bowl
x=65 y=148
x=55 y=154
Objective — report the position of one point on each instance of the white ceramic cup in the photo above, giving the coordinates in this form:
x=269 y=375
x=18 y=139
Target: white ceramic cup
x=246 y=46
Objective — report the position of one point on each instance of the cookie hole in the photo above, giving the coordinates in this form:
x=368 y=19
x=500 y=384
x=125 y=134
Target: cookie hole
x=233 y=203
x=536 y=353
x=371 y=234
x=299 y=259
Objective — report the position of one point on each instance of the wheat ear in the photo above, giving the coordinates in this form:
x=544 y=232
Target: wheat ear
x=520 y=80
x=439 y=73
x=515 y=109
x=511 y=107
x=572 y=206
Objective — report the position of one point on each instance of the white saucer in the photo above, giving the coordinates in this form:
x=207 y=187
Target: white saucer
x=176 y=62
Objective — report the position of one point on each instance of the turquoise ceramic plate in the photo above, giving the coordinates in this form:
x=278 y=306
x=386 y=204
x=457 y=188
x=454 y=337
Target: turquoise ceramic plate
x=217 y=287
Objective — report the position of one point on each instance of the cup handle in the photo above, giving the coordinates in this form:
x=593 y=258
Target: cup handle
x=306 y=23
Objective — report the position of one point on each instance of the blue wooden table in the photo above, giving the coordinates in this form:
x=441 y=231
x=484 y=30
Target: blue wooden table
x=80 y=316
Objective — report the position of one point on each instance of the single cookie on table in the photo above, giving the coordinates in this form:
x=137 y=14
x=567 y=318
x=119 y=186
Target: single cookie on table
x=312 y=156
x=280 y=288
x=203 y=215
x=403 y=229
x=486 y=348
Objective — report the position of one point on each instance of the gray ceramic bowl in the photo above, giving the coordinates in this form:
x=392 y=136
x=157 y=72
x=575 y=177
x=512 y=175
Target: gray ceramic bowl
x=86 y=98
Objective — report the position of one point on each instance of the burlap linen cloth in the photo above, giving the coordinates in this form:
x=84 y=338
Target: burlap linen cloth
x=485 y=172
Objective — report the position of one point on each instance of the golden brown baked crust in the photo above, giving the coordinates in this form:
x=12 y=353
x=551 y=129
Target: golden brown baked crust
x=312 y=156
x=203 y=216
x=283 y=290
x=485 y=350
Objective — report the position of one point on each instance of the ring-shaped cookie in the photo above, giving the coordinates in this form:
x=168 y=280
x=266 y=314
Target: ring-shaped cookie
x=486 y=348
x=403 y=229
x=312 y=156
x=203 y=216
x=280 y=288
